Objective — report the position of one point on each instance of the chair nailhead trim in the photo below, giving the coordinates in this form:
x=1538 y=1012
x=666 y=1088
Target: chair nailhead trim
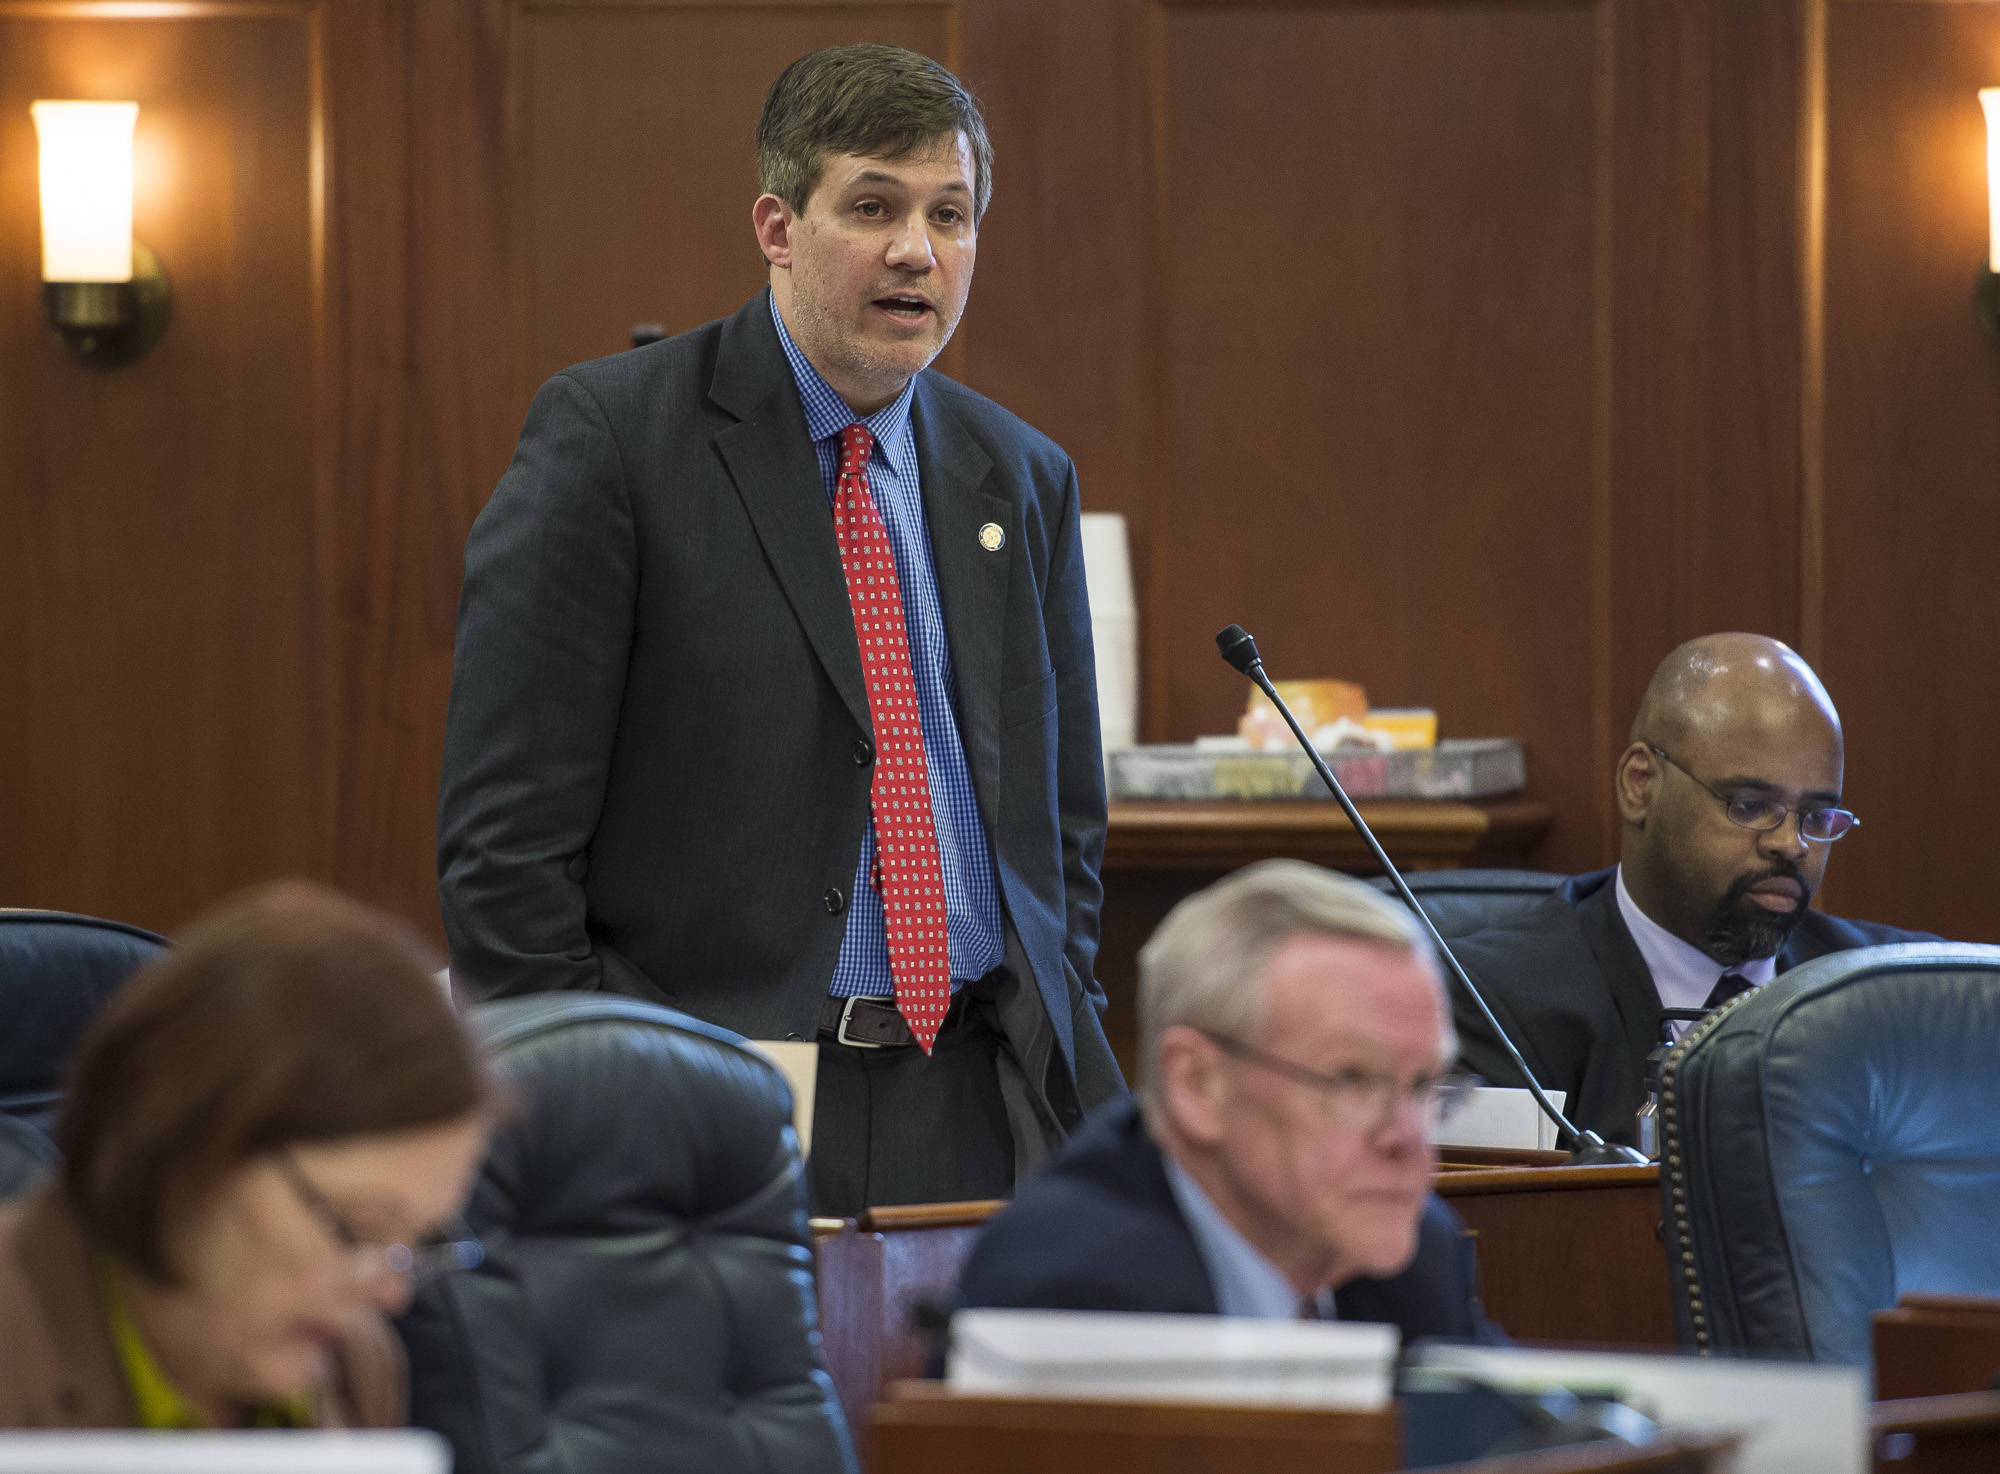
x=1670 y=1129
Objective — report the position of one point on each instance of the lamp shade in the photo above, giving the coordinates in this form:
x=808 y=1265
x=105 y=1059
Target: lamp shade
x=86 y=174
x=1989 y=98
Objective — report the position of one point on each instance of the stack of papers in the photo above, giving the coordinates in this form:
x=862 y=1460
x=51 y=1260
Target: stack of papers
x=1502 y=1118
x=1178 y=1358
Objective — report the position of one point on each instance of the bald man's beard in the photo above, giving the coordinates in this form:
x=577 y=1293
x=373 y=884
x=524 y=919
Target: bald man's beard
x=1740 y=930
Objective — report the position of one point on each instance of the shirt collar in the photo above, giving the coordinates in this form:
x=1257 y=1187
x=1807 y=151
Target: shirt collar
x=1683 y=974
x=1246 y=1283
x=827 y=414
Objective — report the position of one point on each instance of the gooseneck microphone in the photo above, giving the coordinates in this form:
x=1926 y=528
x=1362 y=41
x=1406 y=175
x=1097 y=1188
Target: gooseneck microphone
x=1586 y=1148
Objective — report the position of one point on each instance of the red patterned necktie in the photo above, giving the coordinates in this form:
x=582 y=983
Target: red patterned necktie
x=907 y=872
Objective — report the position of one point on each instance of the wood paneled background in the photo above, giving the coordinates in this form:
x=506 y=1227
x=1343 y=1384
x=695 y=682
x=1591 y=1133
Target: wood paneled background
x=1479 y=352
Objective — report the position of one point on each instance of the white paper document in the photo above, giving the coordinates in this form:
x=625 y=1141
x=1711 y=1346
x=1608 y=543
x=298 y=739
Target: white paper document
x=1502 y=1118
x=1178 y=1358
x=1795 y=1417
x=800 y=1063
x=383 y=1452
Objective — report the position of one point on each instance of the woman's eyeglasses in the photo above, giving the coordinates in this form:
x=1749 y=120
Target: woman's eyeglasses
x=443 y=1253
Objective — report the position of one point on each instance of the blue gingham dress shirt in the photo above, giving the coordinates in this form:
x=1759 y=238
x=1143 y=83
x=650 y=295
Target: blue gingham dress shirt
x=971 y=890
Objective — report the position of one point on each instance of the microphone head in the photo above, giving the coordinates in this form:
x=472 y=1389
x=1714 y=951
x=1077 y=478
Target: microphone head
x=1238 y=648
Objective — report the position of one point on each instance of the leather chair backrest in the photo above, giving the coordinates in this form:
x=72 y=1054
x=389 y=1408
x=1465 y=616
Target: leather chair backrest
x=646 y=1301
x=1830 y=1142
x=25 y=1154
x=56 y=971
x=1461 y=902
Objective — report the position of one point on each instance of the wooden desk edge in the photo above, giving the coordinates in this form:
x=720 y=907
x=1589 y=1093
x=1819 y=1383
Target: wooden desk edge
x=931 y=1215
x=927 y=1403
x=1669 y=1452
x=919 y=1405
x=1915 y=1303
x=1956 y=1412
x=1224 y=833
x=1500 y=1156
x=1542 y=1179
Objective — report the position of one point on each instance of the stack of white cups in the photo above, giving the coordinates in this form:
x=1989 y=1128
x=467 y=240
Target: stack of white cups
x=1114 y=627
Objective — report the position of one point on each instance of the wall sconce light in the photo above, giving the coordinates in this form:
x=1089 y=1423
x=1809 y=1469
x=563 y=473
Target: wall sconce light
x=1986 y=297
x=104 y=292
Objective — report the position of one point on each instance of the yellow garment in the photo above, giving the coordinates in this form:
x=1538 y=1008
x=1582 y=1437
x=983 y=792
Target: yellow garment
x=157 y=1401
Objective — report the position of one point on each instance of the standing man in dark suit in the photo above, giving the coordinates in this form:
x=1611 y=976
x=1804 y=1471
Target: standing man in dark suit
x=1730 y=794
x=1294 y=1040
x=774 y=698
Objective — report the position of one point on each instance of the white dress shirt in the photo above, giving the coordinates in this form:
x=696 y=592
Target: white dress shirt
x=1683 y=974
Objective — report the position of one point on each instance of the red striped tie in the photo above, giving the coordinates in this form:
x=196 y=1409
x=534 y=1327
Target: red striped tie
x=907 y=872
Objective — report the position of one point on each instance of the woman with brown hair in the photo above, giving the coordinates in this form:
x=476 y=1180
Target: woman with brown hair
x=267 y=1136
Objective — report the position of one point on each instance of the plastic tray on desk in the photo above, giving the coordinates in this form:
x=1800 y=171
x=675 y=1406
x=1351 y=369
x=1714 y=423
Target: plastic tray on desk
x=1456 y=769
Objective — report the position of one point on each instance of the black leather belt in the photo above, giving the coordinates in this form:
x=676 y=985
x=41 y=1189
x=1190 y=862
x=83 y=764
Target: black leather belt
x=874 y=1023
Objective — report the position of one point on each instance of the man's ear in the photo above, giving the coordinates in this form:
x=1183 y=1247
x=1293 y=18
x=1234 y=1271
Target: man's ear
x=1636 y=783
x=1193 y=1084
x=772 y=218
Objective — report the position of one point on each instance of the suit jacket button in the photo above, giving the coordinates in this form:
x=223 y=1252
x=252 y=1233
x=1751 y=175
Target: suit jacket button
x=835 y=901
x=864 y=753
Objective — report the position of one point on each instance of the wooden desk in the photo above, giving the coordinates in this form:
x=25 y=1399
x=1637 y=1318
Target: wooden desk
x=1157 y=853
x=1225 y=834
x=871 y=1275
x=1466 y=1158
x=1569 y=1253
x=1566 y=1254
x=1959 y=1434
x=1935 y=1344
x=923 y=1428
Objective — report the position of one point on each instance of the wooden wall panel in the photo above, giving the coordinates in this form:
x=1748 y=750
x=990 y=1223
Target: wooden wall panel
x=1702 y=331
x=426 y=371
x=1481 y=352
x=638 y=127
x=1912 y=461
x=1062 y=326
x=166 y=703
x=1378 y=350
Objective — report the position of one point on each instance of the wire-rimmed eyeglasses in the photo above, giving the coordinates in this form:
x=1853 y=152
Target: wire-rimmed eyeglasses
x=453 y=1249
x=1754 y=811
x=1354 y=1099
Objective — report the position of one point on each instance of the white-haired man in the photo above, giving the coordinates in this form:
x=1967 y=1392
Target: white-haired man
x=1296 y=1049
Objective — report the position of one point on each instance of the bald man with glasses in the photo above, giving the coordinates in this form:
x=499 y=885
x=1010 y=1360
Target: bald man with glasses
x=1730 y=796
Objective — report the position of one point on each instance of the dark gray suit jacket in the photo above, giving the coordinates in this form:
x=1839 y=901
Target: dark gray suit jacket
x=657 y=761
x=1569 y=985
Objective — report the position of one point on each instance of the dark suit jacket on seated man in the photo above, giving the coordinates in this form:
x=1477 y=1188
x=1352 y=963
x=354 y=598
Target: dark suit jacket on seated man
x=670 y=757
x=1293 y=1037
x=1730 y=796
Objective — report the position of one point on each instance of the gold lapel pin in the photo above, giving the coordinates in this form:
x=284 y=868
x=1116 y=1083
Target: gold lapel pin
x=992 y=537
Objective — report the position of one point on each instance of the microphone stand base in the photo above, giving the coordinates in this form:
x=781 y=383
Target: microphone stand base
x=1594 y=1151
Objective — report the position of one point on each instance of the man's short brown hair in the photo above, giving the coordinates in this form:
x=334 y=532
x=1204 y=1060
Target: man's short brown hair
x=289 y=1014
x=879 y=102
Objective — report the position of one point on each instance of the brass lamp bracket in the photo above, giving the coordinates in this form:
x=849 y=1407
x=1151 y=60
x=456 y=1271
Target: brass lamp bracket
x=105 y=324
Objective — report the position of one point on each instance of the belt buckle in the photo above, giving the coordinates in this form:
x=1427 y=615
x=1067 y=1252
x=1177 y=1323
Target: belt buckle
x=846 y=1017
